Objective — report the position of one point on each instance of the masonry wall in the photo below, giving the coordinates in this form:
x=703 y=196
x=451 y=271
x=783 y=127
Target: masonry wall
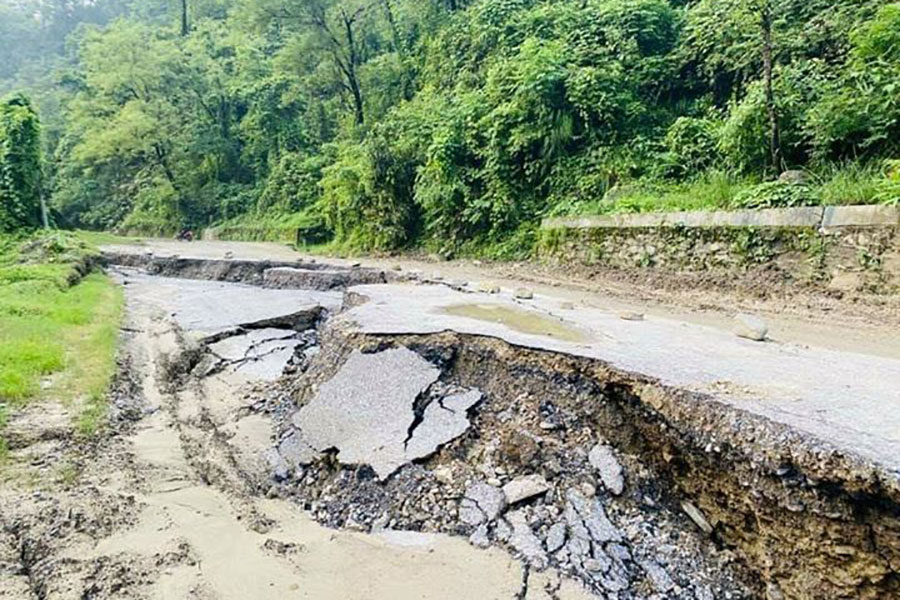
x=855 y=252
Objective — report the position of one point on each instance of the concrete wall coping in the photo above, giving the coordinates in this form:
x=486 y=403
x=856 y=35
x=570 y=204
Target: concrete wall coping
x=818 y=217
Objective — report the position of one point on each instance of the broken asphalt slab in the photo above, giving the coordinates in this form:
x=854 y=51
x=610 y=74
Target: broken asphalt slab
x=259 y=354
x=209 y=309
x=848 y=400
x=366 y=412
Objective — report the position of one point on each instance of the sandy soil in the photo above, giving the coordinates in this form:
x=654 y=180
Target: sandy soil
x=161 y=507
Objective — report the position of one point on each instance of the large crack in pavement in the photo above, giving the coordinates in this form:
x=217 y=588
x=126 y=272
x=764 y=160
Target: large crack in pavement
x=450 y=457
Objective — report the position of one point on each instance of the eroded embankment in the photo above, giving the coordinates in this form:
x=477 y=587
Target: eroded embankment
x=266 y=273
x=809 y=526
x=637 y=490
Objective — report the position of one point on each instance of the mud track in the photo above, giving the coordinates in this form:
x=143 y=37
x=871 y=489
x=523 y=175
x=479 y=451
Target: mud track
x=570 y=477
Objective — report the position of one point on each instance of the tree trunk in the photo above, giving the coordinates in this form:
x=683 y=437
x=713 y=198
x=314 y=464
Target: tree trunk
x=185 y=28
x=352 y=79
x=771 y=109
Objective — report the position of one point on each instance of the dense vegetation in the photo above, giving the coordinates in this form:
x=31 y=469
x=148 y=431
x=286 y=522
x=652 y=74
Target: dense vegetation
x=386 y=123
x=20 y=164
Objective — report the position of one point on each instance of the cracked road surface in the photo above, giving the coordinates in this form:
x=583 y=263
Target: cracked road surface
x=246 y=547
x=180 y=521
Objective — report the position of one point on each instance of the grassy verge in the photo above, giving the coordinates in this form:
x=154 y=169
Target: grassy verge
x=58 y=331
x=100 y=238
x=850 y=184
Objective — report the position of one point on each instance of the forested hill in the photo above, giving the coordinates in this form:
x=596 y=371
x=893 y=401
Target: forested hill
x=386 y=123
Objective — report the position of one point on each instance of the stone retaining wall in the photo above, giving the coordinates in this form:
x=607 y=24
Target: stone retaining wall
x=836 y=249
x=819 y=217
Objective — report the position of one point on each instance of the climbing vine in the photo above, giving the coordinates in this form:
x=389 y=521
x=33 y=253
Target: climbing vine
x=20 y=164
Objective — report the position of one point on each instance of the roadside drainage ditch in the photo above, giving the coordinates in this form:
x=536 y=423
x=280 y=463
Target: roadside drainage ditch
x=635 y=489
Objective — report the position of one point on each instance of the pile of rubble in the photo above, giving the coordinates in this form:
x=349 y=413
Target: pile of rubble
x=385 y=444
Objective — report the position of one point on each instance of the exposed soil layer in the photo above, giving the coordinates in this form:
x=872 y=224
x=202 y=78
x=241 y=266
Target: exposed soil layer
x=593 y=480
x=267 y=273
x=808 y=526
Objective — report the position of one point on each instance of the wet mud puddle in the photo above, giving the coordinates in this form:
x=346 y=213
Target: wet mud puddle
x=522 y=321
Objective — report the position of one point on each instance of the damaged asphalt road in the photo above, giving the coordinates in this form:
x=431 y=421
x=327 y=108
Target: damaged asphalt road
x=365 y=412
x=390 y=441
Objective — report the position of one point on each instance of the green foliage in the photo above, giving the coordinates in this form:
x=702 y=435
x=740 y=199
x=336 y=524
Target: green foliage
x=692 y=145
x=859 y=111
x=20 y=164
x=293 y=184
x=454 y=125
x=776 y=194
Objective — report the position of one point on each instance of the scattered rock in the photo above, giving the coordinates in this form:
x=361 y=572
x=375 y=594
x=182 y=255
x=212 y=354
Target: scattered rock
x=525 y=488
x=697 y=517
x=794 y=177
x=556 y=537
x=444 y=474
x=480 y=539
x=587 y=519
x=524 y=294
x=567 y=306
x=481 y=503
x=751 y=328
x=487 y=287
x=503 y=531
x=845 y=281
x=658 y=577
x=631 y=316
x=595 y=566
x=703 y=592
x=525 y=541
x=607 y=465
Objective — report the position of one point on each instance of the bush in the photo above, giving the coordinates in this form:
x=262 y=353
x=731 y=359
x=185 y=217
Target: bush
x=776 y=194
x=859 y=113
x=293 y=184
x=20 y=164
x=692 y=144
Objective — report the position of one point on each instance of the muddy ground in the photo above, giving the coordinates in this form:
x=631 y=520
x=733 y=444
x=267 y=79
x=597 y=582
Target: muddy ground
x=285 y=443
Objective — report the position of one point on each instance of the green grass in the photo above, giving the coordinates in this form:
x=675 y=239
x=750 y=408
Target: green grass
x=857 y=184
x=101 y=238
x=56 y=342
x=849 y=184
x=712 y=191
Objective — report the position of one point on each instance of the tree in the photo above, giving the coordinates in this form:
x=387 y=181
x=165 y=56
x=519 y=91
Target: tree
x=339 y=31
x=20 y=164
x=765 y=20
